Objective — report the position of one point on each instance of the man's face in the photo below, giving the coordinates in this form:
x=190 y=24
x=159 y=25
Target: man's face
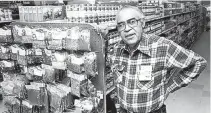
x=130 y=35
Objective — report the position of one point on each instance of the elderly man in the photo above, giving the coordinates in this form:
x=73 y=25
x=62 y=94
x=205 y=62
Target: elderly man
x=144 y=64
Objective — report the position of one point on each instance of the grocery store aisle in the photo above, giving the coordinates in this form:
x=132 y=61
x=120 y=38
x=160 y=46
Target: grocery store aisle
x=195 y=98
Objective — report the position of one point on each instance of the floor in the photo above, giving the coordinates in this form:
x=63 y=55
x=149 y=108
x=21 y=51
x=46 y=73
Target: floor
x=195 y=98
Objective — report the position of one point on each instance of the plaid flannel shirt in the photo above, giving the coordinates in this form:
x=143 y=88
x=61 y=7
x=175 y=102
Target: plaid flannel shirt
x=164 y=56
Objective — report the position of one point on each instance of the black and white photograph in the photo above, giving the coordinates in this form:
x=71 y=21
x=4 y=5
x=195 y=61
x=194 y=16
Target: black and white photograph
x=105 y=56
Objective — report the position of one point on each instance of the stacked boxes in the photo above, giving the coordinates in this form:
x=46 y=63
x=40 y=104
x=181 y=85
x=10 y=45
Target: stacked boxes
x=91 y=13
x=151 y=10
x=5 y=14
x=172 y=8
x=40 y=13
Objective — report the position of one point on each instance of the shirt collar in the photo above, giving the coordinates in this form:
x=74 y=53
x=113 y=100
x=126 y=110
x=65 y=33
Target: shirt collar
x=142 y=47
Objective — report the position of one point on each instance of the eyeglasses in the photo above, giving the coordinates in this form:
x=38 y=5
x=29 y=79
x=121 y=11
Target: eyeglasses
x=131 y=22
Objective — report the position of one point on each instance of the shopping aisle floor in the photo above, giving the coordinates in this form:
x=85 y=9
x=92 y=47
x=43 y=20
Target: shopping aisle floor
x=195 y=98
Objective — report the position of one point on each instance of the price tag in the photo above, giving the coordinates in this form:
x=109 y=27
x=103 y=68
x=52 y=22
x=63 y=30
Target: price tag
x=144 y=73
x=38 y=52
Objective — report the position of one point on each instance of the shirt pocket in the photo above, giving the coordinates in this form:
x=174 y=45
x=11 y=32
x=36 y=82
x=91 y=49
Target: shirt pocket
x=144 y=85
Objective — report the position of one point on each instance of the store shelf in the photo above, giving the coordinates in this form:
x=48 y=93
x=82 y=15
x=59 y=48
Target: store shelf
x=167 y=30
x=110 y=27
x=179 y=24
x=167 y=16
x=6 y=21
x=148 y=6
x=155 y=29
x=188 y=19
x=110 y=90
x=171 y=8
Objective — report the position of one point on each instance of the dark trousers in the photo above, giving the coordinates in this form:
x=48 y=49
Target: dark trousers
x=112 y=109
x=162 y=109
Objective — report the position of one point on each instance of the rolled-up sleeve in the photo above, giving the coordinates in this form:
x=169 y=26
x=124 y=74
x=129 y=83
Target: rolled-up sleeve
x=188 y=64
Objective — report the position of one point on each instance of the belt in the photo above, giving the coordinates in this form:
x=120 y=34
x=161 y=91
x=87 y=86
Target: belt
x=162 y=109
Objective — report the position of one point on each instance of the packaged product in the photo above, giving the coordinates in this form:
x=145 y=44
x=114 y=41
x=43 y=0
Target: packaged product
x=60 y=75
x=72 y=38
x=14 y=51
x=16 y=107
x=35 y=93
x=87 y=105
x=9 y=102
x=4 y=52
x=78 y=39
x=35 y=73
x=75 y=63
x=38 y=35
x=18 y=32
x=47 y=13
x=6 y=34
x=58 y=12
x=26 y=35
x=68 y=99
x=59 y=60
x=47 y=56
x=90 y=63
x=58 y=96
x=7 y=65
x=78 y=82
x=36 y=56
x=49 y=73
x=55 y=38
x=26 y=107
x=14 y=88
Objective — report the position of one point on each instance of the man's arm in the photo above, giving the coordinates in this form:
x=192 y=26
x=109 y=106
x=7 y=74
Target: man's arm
x=189 y=64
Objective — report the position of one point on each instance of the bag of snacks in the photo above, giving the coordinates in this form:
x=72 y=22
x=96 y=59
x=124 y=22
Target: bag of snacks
x=26 y=35
x=6 y=34
x=22 y=55
x=49 y=73
x=78 y=83
x=9 y=102
x=59 y=60
x=34 y=93
x=78 y=39
x=4 y=52
x=60 y=75
x=75 y=63
x=26 y=107
x=35 y=73
x=7 y=65
x=38 y=35
x=90 y=63
x=55 y=38
x=17 y=32
x=35 y=57
x=68 y=99
x=57 y=98
x=47 y=57
x=14 y=51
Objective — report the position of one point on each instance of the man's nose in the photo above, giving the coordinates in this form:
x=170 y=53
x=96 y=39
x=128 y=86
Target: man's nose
x=127 y=28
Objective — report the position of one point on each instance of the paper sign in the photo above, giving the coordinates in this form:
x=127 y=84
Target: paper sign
x=145 y=73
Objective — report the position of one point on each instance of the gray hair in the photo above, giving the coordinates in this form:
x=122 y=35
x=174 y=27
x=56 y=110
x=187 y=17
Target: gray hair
x=134 y=8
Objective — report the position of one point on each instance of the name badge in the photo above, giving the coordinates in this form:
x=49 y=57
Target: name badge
x=144 y=73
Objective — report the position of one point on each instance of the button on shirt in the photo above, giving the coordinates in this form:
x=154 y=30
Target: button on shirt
x=163 y=56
